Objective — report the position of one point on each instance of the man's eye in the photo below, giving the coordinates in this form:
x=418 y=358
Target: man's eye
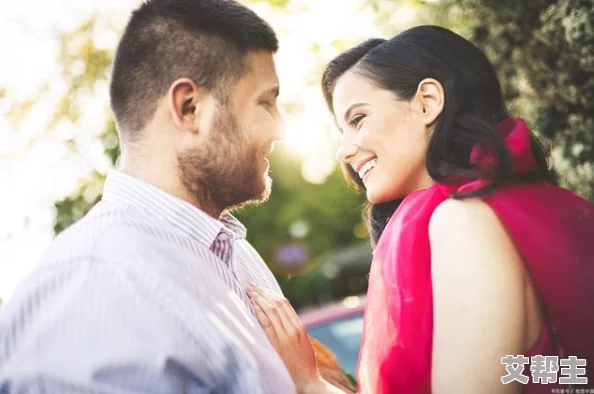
x=355 y=120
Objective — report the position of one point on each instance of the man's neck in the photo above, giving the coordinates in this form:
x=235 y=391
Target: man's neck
x=165 y=178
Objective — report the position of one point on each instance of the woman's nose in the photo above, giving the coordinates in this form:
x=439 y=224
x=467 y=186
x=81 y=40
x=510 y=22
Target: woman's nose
x=346 y=152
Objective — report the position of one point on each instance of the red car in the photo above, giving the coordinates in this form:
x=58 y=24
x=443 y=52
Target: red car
x=339 y=326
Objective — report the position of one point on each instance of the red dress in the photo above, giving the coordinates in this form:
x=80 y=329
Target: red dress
x=553 y=230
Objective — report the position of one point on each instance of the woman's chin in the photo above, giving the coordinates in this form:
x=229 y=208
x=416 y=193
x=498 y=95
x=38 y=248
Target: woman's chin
x=375 y=196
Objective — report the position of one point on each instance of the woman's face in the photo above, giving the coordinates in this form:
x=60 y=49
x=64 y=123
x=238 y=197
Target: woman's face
x=383 y=139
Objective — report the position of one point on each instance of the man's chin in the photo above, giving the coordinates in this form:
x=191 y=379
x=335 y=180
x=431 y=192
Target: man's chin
x=265 y=190
x=261 y=195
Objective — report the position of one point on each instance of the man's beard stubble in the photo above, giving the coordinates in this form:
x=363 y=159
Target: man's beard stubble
x=224 y=174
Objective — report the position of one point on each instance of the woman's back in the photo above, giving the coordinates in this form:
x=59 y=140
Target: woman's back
x=553 y=231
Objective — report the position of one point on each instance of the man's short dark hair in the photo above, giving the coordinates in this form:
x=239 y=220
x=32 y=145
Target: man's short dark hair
x=204 y=40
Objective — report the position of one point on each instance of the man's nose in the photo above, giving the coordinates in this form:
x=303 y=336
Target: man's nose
x=280 y=128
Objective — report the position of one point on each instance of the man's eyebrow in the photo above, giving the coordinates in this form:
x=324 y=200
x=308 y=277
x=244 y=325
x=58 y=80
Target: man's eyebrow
x=275 y=90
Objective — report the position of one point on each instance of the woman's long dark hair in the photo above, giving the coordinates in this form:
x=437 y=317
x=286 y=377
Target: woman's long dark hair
x=473 y=106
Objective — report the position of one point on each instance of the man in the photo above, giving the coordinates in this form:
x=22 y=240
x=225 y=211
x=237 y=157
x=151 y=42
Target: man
x=147 y=292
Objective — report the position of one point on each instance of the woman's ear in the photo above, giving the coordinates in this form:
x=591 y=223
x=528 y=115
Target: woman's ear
x=431 y=97
x=185 y=98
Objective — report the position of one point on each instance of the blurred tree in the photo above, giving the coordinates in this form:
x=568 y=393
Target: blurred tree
x=300 y=217
x=544 y=53
x=543 y=50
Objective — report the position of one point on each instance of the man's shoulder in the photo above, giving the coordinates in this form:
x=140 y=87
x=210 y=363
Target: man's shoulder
x=248 y=255
x=127 y=240
x=102 y=239
x=120 y=250
x=248 y=249
x=109 y=229
x=252 y=262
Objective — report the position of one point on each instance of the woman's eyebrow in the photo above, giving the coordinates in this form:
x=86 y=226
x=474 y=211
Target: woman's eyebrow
x=350 y=109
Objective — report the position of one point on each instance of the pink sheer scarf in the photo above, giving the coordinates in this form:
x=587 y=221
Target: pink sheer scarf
x=553 y=230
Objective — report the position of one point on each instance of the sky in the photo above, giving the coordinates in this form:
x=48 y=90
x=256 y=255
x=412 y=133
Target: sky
x=37 y=169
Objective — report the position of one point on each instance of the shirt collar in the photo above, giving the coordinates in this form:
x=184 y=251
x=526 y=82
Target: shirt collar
x=121 y=188
x=237 y=228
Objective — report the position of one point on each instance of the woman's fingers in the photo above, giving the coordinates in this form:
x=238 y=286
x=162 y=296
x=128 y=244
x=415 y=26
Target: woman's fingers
x=286 y=326
x=287 y=334
x=269 y=318
x=267 y=325
x=280 y=311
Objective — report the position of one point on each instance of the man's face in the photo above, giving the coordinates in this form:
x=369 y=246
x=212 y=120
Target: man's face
x=231 y=167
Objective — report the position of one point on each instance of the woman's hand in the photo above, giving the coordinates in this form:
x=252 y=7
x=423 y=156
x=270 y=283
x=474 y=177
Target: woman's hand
x=288 y=336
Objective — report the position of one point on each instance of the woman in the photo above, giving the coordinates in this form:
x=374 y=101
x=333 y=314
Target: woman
x=477 y=254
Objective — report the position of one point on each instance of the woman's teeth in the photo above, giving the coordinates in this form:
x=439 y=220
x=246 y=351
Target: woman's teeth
x=370 y=165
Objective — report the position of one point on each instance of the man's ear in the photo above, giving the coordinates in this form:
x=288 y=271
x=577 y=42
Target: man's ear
x=185 y=98
x=431 y=97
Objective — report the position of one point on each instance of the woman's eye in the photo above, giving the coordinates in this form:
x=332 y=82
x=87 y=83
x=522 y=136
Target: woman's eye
x=355 y=120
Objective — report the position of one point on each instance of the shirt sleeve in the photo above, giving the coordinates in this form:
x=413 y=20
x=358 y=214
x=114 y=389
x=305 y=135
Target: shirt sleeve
x=88 y=327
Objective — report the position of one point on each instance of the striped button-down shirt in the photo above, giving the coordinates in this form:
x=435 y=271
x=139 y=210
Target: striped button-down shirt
x=146 y=294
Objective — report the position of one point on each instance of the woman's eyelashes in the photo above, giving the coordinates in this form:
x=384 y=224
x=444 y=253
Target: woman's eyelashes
x=356 y=120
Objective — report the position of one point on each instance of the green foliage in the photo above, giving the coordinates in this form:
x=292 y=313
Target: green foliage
x=330 y=212
x=74 y=207
x=542 y=49
x=278 y=3
x=544 y=53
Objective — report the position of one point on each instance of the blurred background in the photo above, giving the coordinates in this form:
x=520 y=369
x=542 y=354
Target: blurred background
x=57 y=137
